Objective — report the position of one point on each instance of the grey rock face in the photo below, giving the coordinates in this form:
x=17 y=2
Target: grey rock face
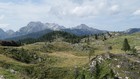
x=2 y=34
x=54 y=26
x=32 y=27
x=122 y=65
x=10 y=32
x=2 y=77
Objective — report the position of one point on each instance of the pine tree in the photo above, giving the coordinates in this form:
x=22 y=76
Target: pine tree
x=126 y=46
x=96 y=36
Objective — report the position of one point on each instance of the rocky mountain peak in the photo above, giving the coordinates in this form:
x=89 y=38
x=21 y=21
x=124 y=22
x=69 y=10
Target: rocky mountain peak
x=32 y=27
x=1 y=30
x=10 y=32
x=33 y=24
x=54 y=26
x=82 y=26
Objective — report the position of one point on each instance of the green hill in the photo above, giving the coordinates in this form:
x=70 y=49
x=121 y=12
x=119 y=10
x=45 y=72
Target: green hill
x=60 y=55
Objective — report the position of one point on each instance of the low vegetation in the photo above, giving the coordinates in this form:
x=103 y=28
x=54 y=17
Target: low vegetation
x=9 y=43
x=60 y=55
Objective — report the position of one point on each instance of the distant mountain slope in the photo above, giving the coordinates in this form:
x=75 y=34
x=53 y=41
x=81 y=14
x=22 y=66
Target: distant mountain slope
x=37 y=29
x=54 y=26
x=83 y=30
x=31 y=30
x=31 y=35
x=132 y=30
x=2 y=34
x=33 y=27
x=50 y=36
x=38 y=26
x=10 y=32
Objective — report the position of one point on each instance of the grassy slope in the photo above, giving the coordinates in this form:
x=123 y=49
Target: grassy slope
x=62 y=56
x=134 y=40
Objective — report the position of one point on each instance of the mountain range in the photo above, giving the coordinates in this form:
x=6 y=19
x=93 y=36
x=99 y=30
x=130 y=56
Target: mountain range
x=37 y=29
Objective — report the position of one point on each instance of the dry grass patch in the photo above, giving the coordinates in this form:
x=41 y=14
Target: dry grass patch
x=70 y=60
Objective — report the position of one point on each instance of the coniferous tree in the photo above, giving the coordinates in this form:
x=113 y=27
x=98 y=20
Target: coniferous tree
x=96 y=36
x=104 y=38
x=126 y=46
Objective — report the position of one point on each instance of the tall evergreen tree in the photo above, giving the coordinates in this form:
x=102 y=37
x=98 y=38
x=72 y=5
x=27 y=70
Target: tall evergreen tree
x=96 y=36
x=104 y=38
x=126 y=46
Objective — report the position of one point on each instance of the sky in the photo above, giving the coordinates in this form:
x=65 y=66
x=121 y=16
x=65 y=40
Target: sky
x=112 y=15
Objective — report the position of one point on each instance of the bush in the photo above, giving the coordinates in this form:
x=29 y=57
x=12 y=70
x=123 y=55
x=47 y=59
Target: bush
x=22 y=55
x=9 y=43
x=110 y=47
x=133 y=51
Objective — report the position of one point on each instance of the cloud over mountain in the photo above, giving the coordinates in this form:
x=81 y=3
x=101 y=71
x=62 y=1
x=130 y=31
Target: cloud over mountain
x=109 y=13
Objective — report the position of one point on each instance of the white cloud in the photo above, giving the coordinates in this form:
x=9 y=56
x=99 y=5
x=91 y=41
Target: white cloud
x=68 y=12
x=24 y=11
x=137 y=12
x=84 y=11
x=18 y=15
x=2 y=17
x=95 y=8
x=114 y=9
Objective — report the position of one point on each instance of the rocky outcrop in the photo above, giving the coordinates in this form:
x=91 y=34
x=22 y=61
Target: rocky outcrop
x=122 y=65
x=2 y=77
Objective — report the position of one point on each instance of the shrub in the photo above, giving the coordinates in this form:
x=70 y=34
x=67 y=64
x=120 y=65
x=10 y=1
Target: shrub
x=22 y=55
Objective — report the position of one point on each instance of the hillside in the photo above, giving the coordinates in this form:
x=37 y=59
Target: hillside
x=51 y=36
x=61 y=59
x=132 y=30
